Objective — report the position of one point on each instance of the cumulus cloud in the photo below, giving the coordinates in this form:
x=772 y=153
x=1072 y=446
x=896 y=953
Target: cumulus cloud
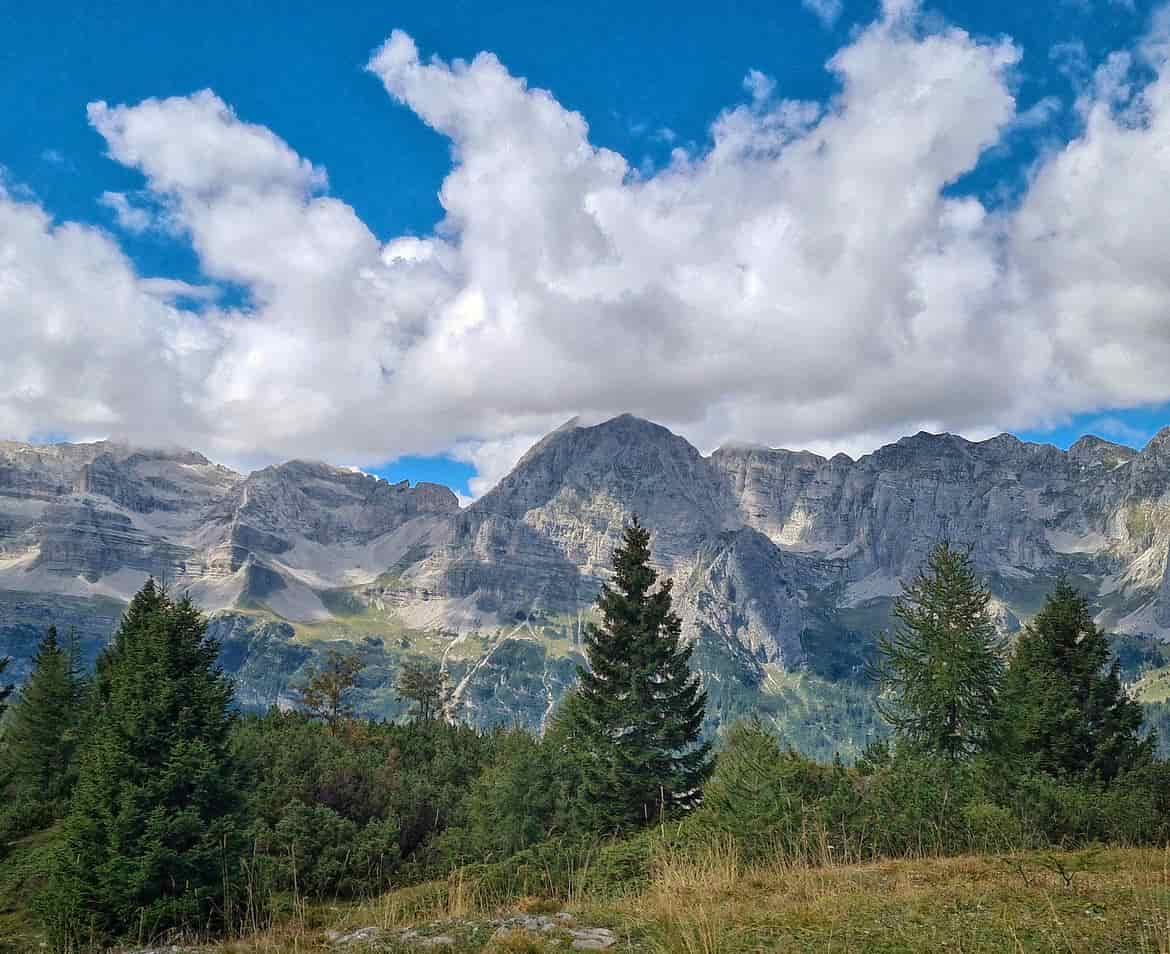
x=803 y=279
x=492 y=459
x=89 y=346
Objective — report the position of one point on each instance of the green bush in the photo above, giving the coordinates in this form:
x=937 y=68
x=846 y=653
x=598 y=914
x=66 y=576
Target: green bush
x=565 y=867
x=1133 y=810
x=765 y=797
x=347 y=812
x=316 y=852
x=509 y=807
x=993 y=828
x=914 y=805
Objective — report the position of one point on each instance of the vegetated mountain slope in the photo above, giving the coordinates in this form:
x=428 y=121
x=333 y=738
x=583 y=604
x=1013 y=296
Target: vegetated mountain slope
x=784 y=562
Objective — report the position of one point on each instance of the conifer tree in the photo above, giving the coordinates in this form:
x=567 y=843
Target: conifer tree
x=1064 y=710
x=43 y=727
x=641 y=706
x=150 y=842
x=940 y=669
x=5 y=690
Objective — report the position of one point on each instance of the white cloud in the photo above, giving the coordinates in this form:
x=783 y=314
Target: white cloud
x=760 y=85
x=802 y=280
x=172 y=289
x=492 y=459
x=827 y=11
x=88 y=345
x=133 y=218
x=1071 y=58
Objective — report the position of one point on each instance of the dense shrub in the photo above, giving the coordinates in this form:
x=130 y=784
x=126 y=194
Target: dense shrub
x=1134 y=809
x=509 y=807
x=337 y=813
x=901 y=800
x=764 y=796
x=316 y=852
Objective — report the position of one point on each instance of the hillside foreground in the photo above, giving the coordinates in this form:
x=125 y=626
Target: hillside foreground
x=1087 y=900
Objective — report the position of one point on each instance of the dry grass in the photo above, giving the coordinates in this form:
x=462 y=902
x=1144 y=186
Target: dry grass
x=1100 y=901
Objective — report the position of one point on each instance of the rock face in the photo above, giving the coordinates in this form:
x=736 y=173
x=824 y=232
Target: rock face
x=782 y=560
x=86 y=519
x=97 y=519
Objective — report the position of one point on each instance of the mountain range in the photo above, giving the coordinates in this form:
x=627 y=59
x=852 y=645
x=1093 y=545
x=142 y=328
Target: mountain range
x=785 y=563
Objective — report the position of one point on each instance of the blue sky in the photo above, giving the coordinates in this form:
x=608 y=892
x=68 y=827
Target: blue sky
x=648 y=78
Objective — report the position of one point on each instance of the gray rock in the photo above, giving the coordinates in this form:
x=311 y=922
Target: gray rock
x=592 y=939
x=581 y=938
x=364 y=935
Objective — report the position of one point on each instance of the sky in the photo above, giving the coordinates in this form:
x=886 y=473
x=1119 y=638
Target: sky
x=413 y=238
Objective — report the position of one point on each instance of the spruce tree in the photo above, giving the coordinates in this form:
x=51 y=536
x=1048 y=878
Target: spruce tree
x=940 y=669
x=641 y=705
x=150 y=842
x=43 y=728
x=1064 y=710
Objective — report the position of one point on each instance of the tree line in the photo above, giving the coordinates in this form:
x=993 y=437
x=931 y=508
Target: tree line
x=171 y=811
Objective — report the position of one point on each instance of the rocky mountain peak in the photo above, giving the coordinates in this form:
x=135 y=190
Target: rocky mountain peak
x=627 y=458
x=330 y=504
x=1159 y=444
x=1093 y=451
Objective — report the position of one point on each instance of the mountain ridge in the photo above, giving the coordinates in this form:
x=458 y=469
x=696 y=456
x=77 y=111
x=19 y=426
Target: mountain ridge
x=784 y=561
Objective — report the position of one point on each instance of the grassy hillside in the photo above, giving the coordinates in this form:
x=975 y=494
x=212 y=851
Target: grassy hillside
x=1087 y=901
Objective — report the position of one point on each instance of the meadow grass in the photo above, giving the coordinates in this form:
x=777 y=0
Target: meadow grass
x=1080 y=902
x=1087 y=901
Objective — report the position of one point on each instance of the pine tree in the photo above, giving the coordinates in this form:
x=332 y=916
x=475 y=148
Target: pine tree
x=641 y=706
x=43 y=727
x=941 y=669
x=151 y=838
x=1065 y=712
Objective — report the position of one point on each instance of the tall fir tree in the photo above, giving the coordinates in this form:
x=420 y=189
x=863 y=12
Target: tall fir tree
x=941 y=668
x=42 y=733
x=151 y=840
x=641 y=706
x=1064 y=709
